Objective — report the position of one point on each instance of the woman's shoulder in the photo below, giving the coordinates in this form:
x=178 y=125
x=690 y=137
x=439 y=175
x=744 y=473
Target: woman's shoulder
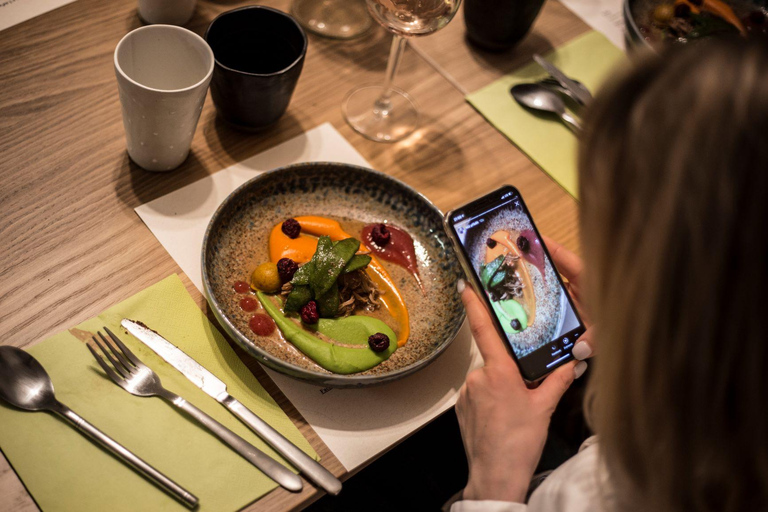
x=579 y=485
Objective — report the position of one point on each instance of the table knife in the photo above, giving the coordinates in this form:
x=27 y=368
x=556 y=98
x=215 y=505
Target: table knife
x=215 y=388
x=582 y=95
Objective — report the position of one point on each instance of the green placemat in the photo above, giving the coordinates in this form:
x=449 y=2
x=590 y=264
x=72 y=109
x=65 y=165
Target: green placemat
x=63 y=470
x=588 y=58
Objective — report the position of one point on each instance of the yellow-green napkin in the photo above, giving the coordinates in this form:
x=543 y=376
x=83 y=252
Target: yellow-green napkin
x=63 y=470
x=544 y=138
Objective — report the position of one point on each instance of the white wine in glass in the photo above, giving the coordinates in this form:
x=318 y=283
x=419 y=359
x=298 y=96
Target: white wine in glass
x=383 y=112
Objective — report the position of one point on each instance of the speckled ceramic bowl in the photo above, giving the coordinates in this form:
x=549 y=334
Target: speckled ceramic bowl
x=236 y=241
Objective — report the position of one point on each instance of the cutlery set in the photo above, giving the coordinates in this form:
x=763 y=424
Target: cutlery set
x=25 y=384
x=547 y=95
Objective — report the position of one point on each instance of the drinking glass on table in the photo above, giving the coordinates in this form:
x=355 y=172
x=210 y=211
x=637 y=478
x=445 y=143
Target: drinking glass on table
x=385 y=113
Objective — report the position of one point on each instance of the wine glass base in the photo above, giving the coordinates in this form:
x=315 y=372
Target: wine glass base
x=367 y=117
x=336 y=19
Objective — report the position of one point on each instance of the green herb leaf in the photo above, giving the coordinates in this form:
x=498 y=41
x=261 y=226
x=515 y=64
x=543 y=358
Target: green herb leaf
x=296 y=299
x=358 y=261
x=328 y=303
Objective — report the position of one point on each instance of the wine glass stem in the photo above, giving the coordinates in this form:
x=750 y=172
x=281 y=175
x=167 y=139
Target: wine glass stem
x=383 y=104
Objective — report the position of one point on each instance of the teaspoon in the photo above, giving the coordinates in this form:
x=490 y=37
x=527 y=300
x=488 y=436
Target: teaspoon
x=25 y=384
x=538 y=97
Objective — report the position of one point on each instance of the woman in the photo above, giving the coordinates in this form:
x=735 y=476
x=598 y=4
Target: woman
x=674 y=188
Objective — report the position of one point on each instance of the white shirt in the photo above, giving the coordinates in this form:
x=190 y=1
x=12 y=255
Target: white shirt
x=578 y=485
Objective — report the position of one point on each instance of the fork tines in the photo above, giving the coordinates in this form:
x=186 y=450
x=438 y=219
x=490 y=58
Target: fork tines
x=122 y=359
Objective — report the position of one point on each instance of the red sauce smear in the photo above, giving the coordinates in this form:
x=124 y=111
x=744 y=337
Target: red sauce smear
x=241 y=286
x=535 y=253
x=262 y=324
x=248 y=304
x=399 y=250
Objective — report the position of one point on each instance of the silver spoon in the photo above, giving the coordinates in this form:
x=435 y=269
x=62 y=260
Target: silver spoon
x=538 y=97
x=25 y=384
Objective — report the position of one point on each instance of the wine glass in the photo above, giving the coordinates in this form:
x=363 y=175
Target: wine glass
x=385 y=113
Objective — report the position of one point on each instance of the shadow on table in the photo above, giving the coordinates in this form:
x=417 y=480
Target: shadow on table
x=428 y=148
x=238 y=144
x=135 y=186
x=509 y=60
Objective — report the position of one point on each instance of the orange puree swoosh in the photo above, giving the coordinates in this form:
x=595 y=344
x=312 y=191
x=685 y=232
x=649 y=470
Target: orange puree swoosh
x=302 y=248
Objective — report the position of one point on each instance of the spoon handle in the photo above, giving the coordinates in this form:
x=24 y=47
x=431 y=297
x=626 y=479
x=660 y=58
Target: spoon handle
x=127 y=456
x=572 y=123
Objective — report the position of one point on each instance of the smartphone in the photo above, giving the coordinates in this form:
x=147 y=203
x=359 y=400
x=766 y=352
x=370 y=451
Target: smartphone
x=507 y=263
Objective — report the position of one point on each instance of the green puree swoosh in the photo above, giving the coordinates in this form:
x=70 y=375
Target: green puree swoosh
x=352 y=330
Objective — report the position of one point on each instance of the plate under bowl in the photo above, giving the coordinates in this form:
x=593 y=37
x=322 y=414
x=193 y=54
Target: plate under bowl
x=237 y=238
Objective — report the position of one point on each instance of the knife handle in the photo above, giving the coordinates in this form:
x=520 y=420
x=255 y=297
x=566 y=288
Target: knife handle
x=308 y=466
x=261 y=460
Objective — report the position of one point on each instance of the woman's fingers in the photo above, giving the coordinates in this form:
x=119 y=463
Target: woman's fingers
x=584 y=348
x=487 y=339
x=567 y=263
x=557 y=382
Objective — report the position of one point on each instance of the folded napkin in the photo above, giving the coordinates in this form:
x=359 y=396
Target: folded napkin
x=590 y=59
x=63 y=470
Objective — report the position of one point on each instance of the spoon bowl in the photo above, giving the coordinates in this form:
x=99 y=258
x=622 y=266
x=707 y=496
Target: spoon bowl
x=23 y=381
x=538 y=97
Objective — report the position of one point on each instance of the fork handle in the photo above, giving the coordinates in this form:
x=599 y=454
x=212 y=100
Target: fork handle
x=261 y=460
x=133 y=460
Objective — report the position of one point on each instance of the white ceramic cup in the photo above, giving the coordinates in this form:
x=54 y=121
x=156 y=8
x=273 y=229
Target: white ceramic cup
x=163 y=72
x=169 y=12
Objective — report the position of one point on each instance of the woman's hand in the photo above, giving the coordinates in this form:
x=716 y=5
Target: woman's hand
x=571 y=267
x=503 y=422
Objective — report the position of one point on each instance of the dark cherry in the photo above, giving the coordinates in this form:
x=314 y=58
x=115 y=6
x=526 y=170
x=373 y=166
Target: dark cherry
x=309 y=314
x=262 y=324
x=241 y=286
x=491 y=243
x=291 y=228
x=523 y=244
x=286 y=267
x=380 y=235
x=248 y=304
x=378 y=342
x=516 y=325
x=682 y=10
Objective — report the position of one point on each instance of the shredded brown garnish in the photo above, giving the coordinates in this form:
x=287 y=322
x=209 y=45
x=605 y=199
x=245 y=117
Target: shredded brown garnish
x=512 y=286
x=357 y=291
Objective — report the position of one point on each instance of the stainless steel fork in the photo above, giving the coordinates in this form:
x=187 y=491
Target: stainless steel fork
x=127 y=371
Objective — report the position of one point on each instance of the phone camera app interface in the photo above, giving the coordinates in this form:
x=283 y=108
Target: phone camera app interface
x=520 y=282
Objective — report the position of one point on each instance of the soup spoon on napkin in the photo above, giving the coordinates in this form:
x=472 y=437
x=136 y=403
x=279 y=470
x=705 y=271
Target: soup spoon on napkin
x=25 y=384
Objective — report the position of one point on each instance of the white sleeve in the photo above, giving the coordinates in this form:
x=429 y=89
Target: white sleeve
x=488 y=506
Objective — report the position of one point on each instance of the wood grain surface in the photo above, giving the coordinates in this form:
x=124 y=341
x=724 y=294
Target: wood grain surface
x=73 y=246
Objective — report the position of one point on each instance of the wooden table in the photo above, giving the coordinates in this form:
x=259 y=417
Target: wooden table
x=73 y=246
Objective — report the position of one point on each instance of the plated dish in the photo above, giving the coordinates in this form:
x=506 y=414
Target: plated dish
x=333 y=273
x=684 y=21
x=519 y=280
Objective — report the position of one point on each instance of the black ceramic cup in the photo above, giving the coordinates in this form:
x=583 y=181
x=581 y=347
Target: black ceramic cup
x=497 y=25
x=259 y=53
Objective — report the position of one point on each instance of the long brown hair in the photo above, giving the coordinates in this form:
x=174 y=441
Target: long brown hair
x=674 y=188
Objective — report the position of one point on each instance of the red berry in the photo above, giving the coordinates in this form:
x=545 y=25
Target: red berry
x=523 y=244
x=262 y=324
x=248 y=304
x=286 y=267
x=380 y=235
x=291 y=228
x=309 y=314
x=378 y=342
x=491 y=243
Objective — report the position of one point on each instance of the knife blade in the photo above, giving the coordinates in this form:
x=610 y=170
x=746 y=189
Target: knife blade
x=582 y=96
x=217 y=389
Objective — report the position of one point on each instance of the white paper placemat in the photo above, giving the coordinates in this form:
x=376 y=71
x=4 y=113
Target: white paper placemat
x=13 y=12
x=356 y=424
x=605 y=16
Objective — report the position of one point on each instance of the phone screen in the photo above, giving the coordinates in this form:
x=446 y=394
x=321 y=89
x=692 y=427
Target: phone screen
x=510 y=264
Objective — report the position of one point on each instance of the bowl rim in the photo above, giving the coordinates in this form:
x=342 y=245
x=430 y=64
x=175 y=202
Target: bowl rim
x=284 y=367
